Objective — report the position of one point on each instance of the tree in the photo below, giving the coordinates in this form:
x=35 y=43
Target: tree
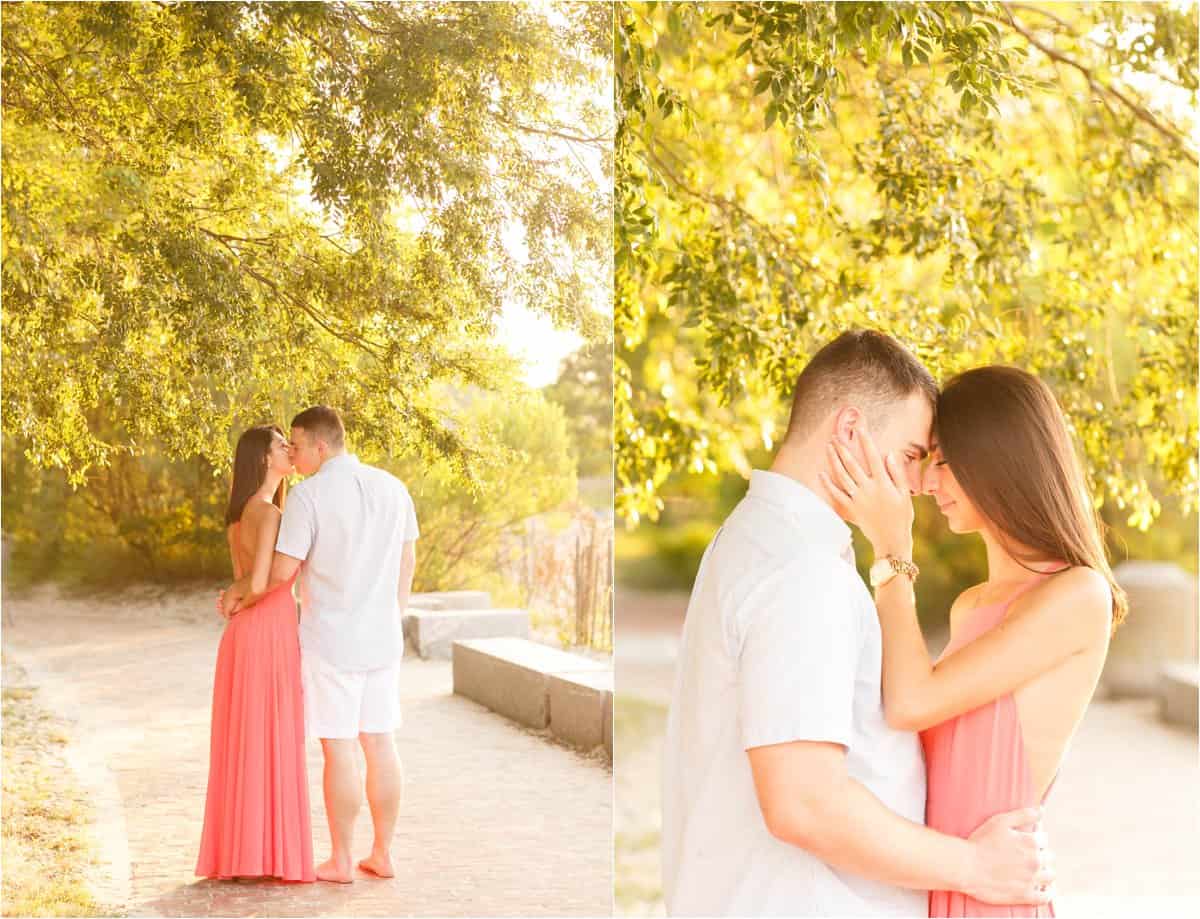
x=147 y=518
x=584 y=390
x=989 y=182
x=215 y=214
x=464 y=536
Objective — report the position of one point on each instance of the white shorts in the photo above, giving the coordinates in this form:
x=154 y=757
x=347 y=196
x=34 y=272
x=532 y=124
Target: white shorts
x=341 y=704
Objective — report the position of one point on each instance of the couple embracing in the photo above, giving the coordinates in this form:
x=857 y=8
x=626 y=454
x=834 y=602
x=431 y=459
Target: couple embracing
x=818 y=762
x=347 y=533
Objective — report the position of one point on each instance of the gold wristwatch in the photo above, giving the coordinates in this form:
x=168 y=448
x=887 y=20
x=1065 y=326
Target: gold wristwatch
x=888 y=567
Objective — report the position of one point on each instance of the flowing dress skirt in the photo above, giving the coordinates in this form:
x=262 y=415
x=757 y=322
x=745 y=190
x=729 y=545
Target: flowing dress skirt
x=256 y=814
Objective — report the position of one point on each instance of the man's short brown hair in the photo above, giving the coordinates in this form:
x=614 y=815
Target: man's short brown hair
x=323 y=423
x=862 y=367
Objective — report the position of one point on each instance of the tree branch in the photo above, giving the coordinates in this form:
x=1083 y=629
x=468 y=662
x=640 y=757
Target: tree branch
x=301 y=304
x=47 y=74
x=728 y=206
x=1139 y=111
x=597 y=140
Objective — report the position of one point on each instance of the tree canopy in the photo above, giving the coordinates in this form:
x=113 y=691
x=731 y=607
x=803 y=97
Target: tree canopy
x=989 y=182
x=584 y=390
x=217 y=213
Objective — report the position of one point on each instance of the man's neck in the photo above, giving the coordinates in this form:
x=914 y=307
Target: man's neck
x=330 y=457
x=799 y=464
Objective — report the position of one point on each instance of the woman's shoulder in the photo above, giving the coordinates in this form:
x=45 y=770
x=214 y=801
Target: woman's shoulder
x=967 y=600
x=256 y=508
x=969 y=596
x=1079 y=594
x=1081 y=583
x=257 y=512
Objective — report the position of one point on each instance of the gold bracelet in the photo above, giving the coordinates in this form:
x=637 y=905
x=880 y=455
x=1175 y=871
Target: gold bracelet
x=905 y=567
x=888 y=567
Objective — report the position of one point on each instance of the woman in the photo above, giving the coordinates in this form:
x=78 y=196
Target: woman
x=256 y=818
x=997 y=710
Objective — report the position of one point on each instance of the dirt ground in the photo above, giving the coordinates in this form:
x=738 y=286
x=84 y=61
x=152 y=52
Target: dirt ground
x=496 y=820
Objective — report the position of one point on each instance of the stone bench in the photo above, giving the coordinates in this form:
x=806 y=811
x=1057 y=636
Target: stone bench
x=1161 y=628
x=1179 y=702
x=581 y=709
x=539 y=687
x=431 y=633
x=451 y=599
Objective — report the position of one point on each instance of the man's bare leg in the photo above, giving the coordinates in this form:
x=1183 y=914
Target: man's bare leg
x=385 y=784
x=343 y=797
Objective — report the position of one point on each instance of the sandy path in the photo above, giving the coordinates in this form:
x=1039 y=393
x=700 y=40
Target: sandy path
x=496 y=820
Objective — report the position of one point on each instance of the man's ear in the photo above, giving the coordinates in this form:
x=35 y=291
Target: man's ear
x=846 y=422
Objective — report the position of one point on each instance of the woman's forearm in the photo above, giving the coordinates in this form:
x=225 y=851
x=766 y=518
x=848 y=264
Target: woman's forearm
x=907 y=669
x=243 y=590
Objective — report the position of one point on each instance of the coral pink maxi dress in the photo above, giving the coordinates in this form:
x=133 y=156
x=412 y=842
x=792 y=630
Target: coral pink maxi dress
x=977 y=768
x=256 y=817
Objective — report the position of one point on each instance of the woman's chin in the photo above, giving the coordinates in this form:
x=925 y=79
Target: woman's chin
x=952 y=524
x=960 y=527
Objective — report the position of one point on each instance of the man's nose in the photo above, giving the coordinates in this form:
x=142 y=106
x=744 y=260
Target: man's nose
x=914 y=482
x=929 y=482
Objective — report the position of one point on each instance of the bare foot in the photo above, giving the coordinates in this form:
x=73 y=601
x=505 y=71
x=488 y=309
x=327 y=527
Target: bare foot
x=378 y=864
x=334 y=872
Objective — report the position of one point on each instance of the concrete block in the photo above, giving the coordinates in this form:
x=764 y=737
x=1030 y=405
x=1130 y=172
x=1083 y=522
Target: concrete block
x=608 y=728
x=1164 y=608
x=1179 y=694
x=511 y=675
x=431 y=633
x=577 y=705
x=451 y=599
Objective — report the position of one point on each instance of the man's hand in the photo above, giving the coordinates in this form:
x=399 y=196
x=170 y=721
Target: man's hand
x=1011 y=864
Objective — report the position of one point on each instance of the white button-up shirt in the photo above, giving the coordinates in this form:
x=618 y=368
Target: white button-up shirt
x=781 y=643
x=349 y=522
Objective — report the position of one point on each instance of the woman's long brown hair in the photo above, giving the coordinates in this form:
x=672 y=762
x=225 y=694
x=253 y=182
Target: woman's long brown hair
x=1006 y=441
x=250 y=469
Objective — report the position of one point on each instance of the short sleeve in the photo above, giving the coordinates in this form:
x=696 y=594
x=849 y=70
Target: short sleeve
x=298 y=527
x=411 y=530
x=799 y=661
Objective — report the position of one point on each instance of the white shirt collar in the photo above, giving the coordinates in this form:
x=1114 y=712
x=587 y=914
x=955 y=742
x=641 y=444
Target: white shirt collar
x=814 y=518
x=343 y=459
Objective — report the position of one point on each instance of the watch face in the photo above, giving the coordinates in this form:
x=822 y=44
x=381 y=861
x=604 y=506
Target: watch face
x=879 y=572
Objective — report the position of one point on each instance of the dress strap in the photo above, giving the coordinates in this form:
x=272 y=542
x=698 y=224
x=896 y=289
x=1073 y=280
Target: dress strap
x=1038 y=577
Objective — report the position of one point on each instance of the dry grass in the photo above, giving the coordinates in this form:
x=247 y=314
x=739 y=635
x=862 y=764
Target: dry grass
x=46 y=848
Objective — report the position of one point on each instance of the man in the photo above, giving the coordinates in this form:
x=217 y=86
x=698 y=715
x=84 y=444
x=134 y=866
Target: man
x=354 y=528
x=785 y=790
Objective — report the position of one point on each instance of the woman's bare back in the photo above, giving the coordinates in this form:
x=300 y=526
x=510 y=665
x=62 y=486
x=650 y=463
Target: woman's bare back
x=255 y=516
x=1051 y=706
